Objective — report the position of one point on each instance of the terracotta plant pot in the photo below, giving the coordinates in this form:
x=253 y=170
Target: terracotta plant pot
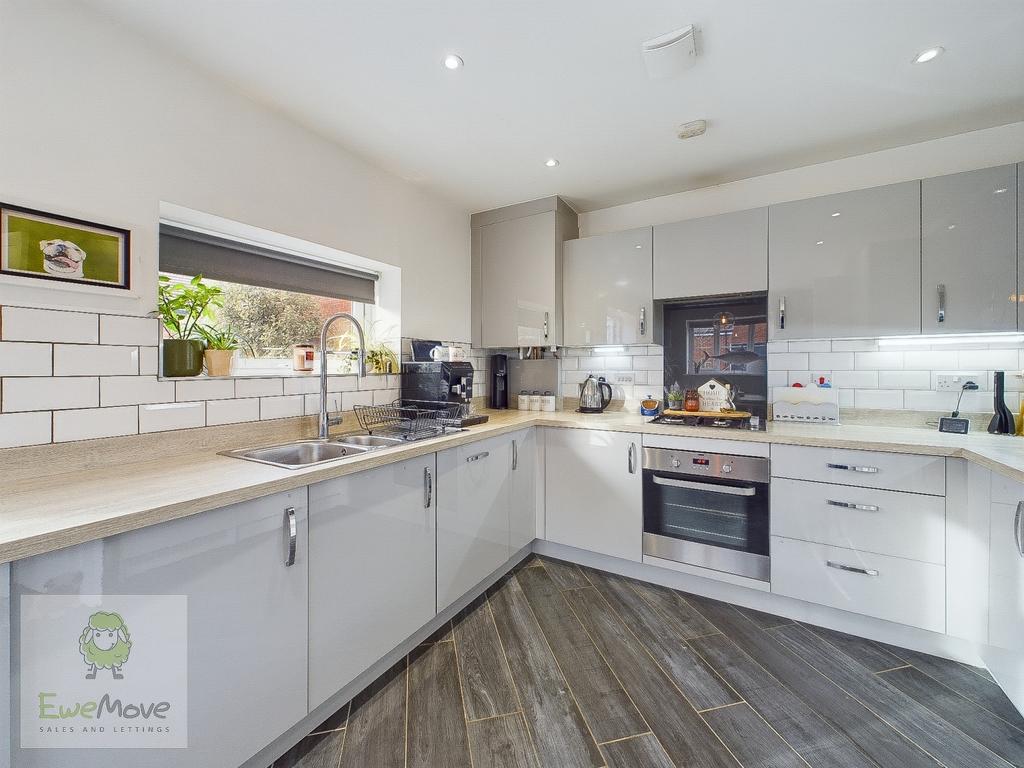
x=182 y=357
x=218 y=362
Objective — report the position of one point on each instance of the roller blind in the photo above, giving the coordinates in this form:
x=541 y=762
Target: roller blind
x=186 y=252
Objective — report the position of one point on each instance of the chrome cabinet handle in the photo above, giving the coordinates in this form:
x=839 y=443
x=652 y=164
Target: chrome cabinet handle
x=1018 y=534
x=428 y=488
x=292 y=531
x=851 y=568
x=853 y=468
x=478 y=456
x=941 y=288
x=709 y=487
x=782 y=313
x=515 y=455
x=851 y=505
x=631 y=459
x=643 y=321
x=546 y=324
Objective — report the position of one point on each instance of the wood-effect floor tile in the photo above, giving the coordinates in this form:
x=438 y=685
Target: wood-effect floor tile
x=815 y=740
x=871 y=656
x=565 y=575
x=601 y=698
x=687 y=739
x=558 y=730
x=918 y=723
x=750 y=739
x=644 y=751
x=764 y=620
x=437 y=732
x=486 y=685
x=685 y=619
x=661 y=636
x=375 y=735
x=502 y=742
x=321 y=750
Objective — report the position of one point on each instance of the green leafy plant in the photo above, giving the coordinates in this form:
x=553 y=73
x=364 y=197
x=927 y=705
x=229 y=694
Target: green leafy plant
x=675 y=394
x=380 y=358
x=183 y=305
x=217 y=338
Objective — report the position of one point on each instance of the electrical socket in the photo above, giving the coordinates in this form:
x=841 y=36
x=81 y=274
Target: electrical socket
x=953 y=382
x=623 y=378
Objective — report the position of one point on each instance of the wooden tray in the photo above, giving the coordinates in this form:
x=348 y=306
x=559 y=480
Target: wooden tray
x=708 y=414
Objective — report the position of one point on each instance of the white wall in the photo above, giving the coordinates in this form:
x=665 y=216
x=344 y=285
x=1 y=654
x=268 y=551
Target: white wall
x=100 y=125
x=963 y=152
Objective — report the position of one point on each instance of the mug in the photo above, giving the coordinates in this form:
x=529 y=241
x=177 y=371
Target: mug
x=448 y=354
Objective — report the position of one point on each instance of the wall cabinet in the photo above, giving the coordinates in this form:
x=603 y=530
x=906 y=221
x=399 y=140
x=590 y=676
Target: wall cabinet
x=593 y=491
x=969 y=251
x=608 y=289
x=372 y=539
x=712 y=255
x=846 y=265
x=247 y=614
x=473 y=508
x=523 y=490
x=517 y=273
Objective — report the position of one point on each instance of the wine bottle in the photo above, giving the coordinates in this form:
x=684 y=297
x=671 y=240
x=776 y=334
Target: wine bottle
x=1002 y=419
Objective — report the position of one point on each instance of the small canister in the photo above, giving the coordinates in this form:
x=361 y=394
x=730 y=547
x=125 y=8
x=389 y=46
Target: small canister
x=302 y=357
x=547 y=401
x=535 y=400
x=523 y=402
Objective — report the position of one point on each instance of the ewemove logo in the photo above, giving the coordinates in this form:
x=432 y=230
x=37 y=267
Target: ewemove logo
x=89 y=681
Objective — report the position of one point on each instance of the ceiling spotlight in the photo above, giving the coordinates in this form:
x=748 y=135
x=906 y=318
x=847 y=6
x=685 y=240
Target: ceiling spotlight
x=999 y=191
x=451 y=61
x=837 y=213
x=820 y=242
x=551 y=162
x=928 y=54
x=692 y=128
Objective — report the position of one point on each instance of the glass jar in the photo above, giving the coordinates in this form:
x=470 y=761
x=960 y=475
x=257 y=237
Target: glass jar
x=691 y=401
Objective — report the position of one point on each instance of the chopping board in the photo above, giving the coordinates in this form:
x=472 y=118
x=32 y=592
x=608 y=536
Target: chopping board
x=708 y=414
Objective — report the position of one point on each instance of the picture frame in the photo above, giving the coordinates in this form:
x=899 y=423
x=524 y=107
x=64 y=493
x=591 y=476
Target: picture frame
x=48 y=246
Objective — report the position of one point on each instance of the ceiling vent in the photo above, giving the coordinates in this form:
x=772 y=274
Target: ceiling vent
x=692 y=128
x=669 y=54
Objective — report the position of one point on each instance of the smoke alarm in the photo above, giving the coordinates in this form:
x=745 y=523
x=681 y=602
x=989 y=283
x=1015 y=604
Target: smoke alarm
x=669 y=54
x=692 y=128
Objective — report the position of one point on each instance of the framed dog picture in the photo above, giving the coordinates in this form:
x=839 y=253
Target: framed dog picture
x=51 y=247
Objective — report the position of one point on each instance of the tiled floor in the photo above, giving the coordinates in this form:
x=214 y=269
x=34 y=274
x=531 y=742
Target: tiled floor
x=564 y=667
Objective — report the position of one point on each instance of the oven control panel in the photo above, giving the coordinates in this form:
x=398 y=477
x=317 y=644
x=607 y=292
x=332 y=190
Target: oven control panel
x=750 y=468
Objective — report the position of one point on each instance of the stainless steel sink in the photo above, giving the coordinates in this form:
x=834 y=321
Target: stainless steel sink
x=368 y=441
x=302 y=453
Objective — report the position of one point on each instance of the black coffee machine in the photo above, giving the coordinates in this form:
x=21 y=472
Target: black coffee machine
x=438 y=384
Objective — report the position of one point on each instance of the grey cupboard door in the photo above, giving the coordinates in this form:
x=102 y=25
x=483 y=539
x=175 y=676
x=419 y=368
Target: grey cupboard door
x=712 y=255
x=372 y=538
x=1020 y=245
x=519 y=277
x=523 y=490
x=473 y=505
x=969 y=251
x=607 y=292
x=246 y=629
x=846 y=265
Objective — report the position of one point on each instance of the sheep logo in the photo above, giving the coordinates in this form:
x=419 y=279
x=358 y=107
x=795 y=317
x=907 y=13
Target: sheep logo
x=105 y=644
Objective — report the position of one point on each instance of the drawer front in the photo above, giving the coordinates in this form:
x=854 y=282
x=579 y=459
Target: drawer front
x=906 y=525
x=894 y=589
x=867 y=469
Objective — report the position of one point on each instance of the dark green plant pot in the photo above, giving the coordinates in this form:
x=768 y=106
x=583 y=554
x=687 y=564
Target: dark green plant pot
x=183 y=357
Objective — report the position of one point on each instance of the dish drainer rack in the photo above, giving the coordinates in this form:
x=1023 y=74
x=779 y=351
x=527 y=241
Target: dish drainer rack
x=407 y=423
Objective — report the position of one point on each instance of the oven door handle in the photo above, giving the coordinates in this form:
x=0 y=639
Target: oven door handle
x=727 y=489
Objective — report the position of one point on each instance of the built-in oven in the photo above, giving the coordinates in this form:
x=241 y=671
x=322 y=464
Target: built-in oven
x=709 y=510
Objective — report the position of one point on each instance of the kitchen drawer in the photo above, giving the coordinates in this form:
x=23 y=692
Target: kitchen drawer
x=906 y=525
x=867 y=469
x=899 y=590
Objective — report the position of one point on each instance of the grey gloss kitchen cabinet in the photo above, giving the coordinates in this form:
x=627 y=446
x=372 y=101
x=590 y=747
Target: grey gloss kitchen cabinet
x=473 y=507
x=846 y=265
x=371 y=575
x=969 y=251
x=517 y=273
x=246 y=629
x=523 y=490
x=712 y=255
x=1020 y=245
x=607 y=288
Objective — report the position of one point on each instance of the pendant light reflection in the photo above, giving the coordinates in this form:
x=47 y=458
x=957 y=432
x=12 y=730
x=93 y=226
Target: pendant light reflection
x=725 y=321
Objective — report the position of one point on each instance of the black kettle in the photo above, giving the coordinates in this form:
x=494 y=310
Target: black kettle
x=593 y=397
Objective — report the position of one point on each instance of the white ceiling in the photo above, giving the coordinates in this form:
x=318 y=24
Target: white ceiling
x=782 y=83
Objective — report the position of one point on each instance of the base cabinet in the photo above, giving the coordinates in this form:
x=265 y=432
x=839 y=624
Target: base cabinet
x=371 y=576
x=246 y=629
x=473 y=508
x=523 y=490
x=593 y=491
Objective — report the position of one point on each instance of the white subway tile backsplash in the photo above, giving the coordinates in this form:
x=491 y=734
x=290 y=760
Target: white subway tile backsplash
x=23 y=324
x=989 y=359
x=372 y=382
x=132 y=331
x=351 y=399
x=846 y=398
x=134 y=390
x=281 y=407
x=50 y=393
x=854 y=345
x=775 y=347
x=569 y=363
x=884 y=399
x=20 y=429
x=929 y=360
x=831 y=361
x=342 y=383
x=166 y=416
x=803 y=378
x=388 y=396
x=94 y=360
x=302 y=385
x=204 y=389
x=648 y=362
x=25 y=359
x=878 y=361
x=810 y=346
x=789 y=361
x=311 y=403
x=618 y=363
x=260 y=387
x=929 y=400
x=855 y=379
x=92 y=423
x=904 y=379
x=778 y=379
x=232 y=411
x=149 y=361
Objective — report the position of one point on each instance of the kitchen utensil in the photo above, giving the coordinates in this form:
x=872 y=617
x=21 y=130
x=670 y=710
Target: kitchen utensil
x=592 y=395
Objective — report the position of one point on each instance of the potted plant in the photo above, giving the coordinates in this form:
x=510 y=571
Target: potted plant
x=220 y=349
x=675 y=397
x=181 y=307
x=380 y=358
